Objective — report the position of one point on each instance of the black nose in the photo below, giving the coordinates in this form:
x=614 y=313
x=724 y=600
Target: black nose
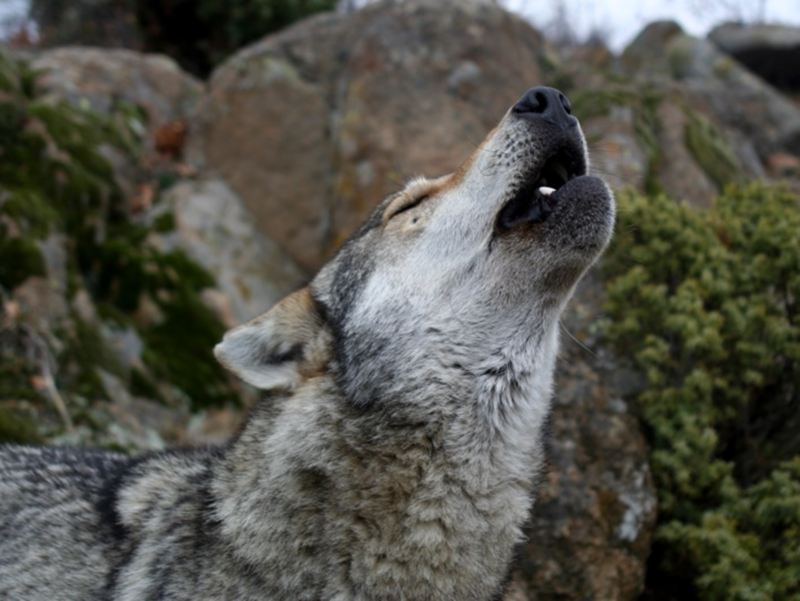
x=548 y=104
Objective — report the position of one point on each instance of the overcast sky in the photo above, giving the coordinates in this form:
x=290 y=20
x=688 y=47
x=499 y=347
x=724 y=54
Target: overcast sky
x=620 y=20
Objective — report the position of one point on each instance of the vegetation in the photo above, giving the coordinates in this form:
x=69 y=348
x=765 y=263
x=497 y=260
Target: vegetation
x=56 y=184
x=707 y=305
x=197 y=33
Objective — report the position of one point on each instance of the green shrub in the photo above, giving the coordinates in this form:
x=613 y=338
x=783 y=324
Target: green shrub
x=707 y=305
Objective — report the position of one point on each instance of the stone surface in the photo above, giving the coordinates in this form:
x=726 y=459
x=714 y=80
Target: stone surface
x=645 y=54
x=313 y=126
x=215 y=229
x=100 y=77
x=593 y=520
x=616 y=152
x=716 y=85
x=678 y=171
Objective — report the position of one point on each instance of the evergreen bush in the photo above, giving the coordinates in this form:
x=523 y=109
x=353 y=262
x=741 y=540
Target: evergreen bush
x=706 y=303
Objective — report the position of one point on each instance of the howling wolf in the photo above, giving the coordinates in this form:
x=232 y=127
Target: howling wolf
x=395 y=453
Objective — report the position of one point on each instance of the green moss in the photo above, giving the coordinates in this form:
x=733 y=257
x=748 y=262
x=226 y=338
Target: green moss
x=704 y=303
x=54 y=178
x=681 y=57
x=166 y=180
x=179 y=350
x=591 y=103
x=85 y=351
x=120 y=272
x=711 y=150
x=15 y=428
x=90 y=348
x=142 y=385
x=164 y=223
x=110 y=314
x=644 y=102
x=16 y=386
x=12 y=120
x=31 y=211
x=16 y=76
x=15 y=379
x=20 y=259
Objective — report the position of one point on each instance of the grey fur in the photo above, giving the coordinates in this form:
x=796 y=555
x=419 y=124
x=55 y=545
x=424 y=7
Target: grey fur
x=396 y=450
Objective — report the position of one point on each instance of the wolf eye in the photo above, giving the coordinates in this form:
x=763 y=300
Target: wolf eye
x=394 y=211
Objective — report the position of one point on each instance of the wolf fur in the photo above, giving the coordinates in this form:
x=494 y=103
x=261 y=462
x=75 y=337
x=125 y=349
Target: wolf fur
x=395 y=453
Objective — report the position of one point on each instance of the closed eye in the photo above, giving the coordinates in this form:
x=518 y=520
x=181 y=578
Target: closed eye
x=403 y=204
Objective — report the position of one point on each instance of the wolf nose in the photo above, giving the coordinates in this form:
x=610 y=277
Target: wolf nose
x=548 y=104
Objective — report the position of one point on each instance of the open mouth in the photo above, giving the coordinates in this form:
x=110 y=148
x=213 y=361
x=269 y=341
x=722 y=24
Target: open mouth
x=536 y=200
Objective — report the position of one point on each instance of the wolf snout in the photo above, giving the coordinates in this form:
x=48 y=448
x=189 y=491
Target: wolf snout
x=547 y=104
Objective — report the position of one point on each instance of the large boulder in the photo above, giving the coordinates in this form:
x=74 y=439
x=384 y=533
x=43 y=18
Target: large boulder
x=313 y=126
x=709 y=81
x=770 y=51
x=210 y=223
x=102 y=78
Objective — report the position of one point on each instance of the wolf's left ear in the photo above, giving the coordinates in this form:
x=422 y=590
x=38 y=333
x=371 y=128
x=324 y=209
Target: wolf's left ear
x=280 y=347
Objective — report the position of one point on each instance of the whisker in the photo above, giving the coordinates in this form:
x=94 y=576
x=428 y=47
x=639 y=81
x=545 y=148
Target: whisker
x=583 y=346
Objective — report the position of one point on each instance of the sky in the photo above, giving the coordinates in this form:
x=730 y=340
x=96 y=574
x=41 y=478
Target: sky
x=621 y=20
x=618 y=20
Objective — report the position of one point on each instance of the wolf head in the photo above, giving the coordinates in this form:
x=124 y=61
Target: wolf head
x=454 y=285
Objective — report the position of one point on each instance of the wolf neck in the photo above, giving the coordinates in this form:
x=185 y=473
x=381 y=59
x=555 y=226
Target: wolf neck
x=426 y=479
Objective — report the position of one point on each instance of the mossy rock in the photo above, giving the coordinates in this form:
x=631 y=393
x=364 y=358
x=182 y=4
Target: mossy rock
x=644 y=102
x=55 y=179
x=711 y=150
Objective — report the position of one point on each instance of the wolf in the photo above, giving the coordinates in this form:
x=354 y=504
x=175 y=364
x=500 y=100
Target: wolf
x=395 y=453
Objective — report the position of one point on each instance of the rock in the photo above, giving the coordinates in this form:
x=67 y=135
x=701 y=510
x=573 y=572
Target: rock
x=215 y=229
x=313 y=126
x=770 y=51
x=715 y=85
x=155 y=97
x=785 y=164
x=126 y=344
x=645 y=54
x=678 y=171
x=100 y=78
x=592 y=523
x=43 y=305
x=617 y=154
x=704 y=120
x=42 y=299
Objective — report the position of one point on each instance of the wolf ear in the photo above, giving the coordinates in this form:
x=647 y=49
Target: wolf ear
x=280 y=347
